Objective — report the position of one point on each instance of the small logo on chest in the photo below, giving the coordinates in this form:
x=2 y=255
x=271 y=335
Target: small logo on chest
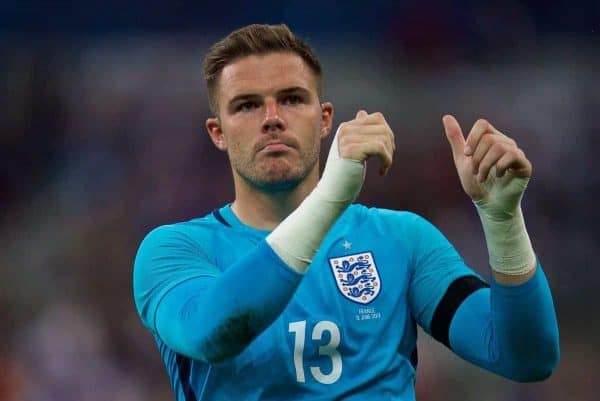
x=356 y=276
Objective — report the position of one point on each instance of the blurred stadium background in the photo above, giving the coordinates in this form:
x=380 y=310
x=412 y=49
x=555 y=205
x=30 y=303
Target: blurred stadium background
x=102 y=138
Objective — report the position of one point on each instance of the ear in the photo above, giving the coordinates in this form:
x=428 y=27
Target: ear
x=326 y=119
x=216 y=134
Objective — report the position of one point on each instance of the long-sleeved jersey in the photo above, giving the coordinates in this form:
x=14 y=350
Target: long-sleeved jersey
x=233 y=322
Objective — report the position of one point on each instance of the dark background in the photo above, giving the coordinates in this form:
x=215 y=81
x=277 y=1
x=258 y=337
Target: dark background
x=102 y=110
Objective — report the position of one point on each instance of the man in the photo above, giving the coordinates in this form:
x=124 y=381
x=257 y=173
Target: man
x=291 y=292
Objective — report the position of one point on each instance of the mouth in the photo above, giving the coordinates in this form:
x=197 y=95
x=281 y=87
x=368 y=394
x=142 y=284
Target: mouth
x=275 y=147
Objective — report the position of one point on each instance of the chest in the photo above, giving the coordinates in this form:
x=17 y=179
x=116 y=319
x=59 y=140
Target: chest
x=350 y=311
x=353 y=278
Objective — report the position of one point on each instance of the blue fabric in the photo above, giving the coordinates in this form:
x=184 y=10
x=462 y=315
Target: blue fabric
x=244 y=300
x=213 y=292
x=510 y=330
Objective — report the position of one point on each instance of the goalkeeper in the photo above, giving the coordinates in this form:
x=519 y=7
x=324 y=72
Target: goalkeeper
x=292 y=292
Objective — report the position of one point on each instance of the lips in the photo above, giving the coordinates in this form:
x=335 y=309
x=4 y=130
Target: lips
x=274 y=146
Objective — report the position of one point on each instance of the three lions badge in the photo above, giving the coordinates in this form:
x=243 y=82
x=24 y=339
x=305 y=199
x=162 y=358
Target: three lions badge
x=356 y=276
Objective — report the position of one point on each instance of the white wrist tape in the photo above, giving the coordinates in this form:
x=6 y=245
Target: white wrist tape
x=508 y=243
x=297 y=238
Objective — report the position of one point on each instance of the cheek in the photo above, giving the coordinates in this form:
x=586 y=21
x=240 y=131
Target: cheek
x=236 y=147
x=308 y=119
x=233 y=135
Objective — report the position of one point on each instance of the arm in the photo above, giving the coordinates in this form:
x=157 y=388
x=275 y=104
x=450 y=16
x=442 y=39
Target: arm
x=510 y=328
x=199 y=311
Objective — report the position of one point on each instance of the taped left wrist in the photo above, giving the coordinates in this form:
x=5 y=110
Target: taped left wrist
x=509 y=246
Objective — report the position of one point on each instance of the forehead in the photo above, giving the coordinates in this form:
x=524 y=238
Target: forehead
x=263 y=74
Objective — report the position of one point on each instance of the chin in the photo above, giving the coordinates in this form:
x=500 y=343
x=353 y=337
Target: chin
x=280 y=182
x=276 y=181
x=275 y=177
x=279 y=186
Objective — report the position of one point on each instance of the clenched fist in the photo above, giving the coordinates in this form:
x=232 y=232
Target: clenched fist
x=368 y=135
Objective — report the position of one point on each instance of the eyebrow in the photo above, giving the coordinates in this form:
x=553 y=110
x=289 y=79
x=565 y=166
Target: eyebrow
x=251 y=96
x=294 y=89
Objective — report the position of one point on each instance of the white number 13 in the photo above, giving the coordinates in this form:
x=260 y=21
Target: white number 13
x=329 y=349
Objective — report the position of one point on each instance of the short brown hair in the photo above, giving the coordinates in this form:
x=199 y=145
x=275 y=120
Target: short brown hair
x=250 y=40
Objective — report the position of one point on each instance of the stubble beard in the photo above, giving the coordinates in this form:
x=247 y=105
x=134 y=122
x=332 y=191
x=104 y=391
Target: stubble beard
x=272 y=174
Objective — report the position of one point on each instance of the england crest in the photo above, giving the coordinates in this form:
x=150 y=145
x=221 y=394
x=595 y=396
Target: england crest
x=356 y=276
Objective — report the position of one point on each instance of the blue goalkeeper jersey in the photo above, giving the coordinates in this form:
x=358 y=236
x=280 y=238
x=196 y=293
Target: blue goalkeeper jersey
x=348 y=332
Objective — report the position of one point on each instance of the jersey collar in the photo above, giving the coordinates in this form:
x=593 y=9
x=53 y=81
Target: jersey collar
x=232 y=220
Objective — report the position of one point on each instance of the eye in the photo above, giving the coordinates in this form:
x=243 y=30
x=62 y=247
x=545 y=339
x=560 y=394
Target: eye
x=246 y=106
x=292 y=100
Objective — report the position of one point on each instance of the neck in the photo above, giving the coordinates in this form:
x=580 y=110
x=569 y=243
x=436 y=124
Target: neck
x=264 y=210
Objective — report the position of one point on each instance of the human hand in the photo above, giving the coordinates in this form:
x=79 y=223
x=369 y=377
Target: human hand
x=493 y=171
x=367 y=135
x=355 y=141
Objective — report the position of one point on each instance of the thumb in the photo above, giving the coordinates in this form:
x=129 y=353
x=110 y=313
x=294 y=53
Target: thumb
x=455 y=136
x=361 y=113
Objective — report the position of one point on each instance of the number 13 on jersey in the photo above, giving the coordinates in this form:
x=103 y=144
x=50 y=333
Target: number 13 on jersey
x=328 y=350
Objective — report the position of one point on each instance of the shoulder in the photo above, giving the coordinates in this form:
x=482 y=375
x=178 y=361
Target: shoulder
x=192 y=238
x=175 y=247
x=191 y=231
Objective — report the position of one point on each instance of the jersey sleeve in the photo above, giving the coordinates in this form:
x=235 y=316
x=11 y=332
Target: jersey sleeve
x=436 y=266
x=198 y=310
x=166 y=258
x=509 y=330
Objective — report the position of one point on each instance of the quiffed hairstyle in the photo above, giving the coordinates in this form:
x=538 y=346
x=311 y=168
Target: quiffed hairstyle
x=254 y=39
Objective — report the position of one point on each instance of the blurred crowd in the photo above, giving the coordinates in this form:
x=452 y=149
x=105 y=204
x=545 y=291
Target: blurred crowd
x=102 y=138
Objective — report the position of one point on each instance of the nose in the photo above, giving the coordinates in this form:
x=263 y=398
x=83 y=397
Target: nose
x=272 y=119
